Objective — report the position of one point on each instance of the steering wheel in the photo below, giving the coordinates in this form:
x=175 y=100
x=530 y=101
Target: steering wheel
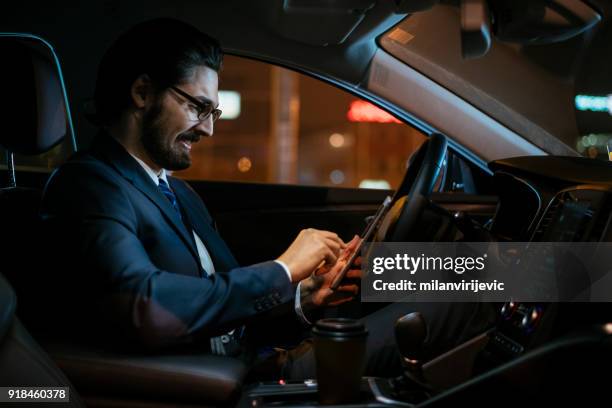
x=412 y=195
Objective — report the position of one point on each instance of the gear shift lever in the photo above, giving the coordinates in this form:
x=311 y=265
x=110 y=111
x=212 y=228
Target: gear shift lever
x=410 y=334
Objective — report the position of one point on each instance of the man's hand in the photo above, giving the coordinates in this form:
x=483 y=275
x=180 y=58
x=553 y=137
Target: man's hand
x=324 y=296
x=317 y=287
x=311 y=248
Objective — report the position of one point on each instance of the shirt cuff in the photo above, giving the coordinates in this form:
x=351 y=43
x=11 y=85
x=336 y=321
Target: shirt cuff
x=286 y=268
x=298 y=307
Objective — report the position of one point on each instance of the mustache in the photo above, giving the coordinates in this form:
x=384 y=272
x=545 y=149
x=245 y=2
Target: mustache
x=189 y=136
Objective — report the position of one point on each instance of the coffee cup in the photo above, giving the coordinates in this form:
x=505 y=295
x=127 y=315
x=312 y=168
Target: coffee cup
x=339 y=347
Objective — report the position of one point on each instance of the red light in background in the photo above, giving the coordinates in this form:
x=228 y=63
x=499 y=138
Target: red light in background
x=362 y=111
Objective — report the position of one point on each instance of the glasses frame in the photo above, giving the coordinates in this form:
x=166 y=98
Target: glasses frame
x=203 y=108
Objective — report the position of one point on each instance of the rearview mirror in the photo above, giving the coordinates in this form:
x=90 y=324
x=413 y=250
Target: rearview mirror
x=541 y=21
x=475 y=28
x=525 y=22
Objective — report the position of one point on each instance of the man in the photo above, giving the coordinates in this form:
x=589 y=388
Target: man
x=148 y=264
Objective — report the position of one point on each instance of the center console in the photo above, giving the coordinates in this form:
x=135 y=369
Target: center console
x=516 y=331
x=521 y=326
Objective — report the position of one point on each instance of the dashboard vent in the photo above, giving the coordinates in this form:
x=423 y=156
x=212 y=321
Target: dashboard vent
x=547 y=218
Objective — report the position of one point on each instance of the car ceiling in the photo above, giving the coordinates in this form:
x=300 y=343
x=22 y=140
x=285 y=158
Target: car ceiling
x=247 y=28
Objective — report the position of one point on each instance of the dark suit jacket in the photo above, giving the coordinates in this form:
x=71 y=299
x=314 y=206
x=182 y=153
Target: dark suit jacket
x=130 y=266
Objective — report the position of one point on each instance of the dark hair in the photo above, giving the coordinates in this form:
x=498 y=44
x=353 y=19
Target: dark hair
x=167 y=50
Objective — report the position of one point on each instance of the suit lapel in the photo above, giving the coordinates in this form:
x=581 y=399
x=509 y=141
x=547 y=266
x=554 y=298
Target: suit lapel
x=222 y=257
x=115 y=155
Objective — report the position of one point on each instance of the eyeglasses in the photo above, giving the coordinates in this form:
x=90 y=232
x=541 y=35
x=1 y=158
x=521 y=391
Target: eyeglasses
x=202 y=110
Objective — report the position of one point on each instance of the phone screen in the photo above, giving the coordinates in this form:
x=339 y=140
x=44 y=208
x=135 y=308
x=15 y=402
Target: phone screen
x=364 y=237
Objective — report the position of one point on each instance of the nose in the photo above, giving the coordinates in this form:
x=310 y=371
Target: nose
x=205 y=127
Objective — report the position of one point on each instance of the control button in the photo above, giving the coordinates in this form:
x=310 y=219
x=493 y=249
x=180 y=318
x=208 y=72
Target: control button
x=531 y=318
x=508 y=309
x=506 y=344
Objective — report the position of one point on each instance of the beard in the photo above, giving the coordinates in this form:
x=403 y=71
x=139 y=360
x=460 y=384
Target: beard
x=165 y=151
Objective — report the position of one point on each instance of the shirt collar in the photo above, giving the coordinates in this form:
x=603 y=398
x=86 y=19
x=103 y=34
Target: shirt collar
x=154 y=176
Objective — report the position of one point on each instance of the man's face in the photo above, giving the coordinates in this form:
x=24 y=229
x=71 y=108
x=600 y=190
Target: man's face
x=170 y=126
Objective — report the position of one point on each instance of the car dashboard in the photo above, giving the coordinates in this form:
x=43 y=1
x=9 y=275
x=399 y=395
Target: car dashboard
x=547 y=199
x=552 y=199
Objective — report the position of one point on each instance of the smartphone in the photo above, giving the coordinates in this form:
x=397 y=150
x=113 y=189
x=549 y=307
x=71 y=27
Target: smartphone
x=364 y=237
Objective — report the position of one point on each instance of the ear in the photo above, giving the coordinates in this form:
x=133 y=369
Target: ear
x=141 y=91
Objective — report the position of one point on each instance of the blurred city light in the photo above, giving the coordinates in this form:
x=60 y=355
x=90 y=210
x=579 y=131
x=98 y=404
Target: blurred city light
x=336 y=140
x=376 y=184
x=362 y=111
x=594 y=103
x=244 y=164
x=337 y=176
x=229 y=103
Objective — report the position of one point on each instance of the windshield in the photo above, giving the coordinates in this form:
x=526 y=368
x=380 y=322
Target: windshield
x=544 y=92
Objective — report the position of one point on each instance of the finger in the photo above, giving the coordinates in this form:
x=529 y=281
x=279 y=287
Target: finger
x=330 y=257
x=328 y=269
x=322 y=269
x=332 y=242
x=357 y=261
x=354 y=274
x=340 y=301
x=333 y=236
x=350 y=289
x=334 y=269
x=345 y=254
x=354 y=243
x=338 y=266
x=326 y=233
x=333 y=245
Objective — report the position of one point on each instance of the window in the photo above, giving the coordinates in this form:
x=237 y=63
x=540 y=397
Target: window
x=286 y=127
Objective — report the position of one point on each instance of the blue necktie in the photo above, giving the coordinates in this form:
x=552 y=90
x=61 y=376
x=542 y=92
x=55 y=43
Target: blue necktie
x=228 y=344
x=163 y=186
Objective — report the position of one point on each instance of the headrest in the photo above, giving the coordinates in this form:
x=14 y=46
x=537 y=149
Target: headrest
x=33 y=114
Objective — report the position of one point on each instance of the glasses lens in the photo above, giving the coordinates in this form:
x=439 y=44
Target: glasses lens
x=204 y=114
x=205 y=110
x=193 y=114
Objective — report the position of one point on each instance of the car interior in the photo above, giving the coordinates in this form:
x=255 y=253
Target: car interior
x=500 y=163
